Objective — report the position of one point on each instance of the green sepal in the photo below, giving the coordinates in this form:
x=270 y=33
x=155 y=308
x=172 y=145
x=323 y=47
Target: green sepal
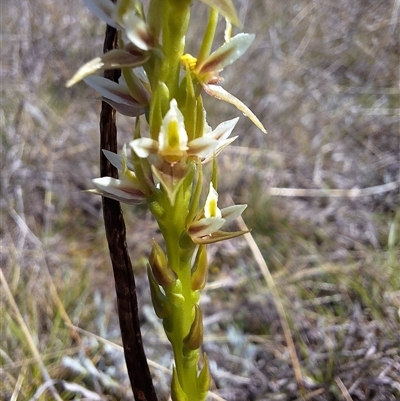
x=187 y=186
x=160 y=302
x=186 y=243
x=171 y=179
x=200 y=269
x=177 y=393
x=194 y=339
x=175 y=296
x=214 y=176
x=195 y=297
x=156 y=209
x=158 y=108
x=168 y=324
x=135 y=86
x=187 y=249
x=189 y=109
x=195 y=199
x=191 y=358
x=208 y=38
x=204 y=379
x=155 y=18
x=163 y=274
x=201 y=117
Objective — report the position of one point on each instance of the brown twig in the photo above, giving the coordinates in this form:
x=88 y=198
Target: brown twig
x=138 y=369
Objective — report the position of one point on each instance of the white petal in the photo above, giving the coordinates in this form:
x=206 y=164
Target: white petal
x=136 y=29
x=211 y=207
x=205 y=226
x=232 y=212
x=131 y=201
x=202 y=147
x=113 y=158
x=225 y=8
x=89 y=68
x=226 y=54
x=143 y=147
x=104 y=10
x=221 y=94
x=125 y=110
x=224 y=129
x=116 y=160
x=221 y=146
x=173 y=137
x=117 y=189
x=111 y=90
x=119 y=58
x=137 y=32
x=113 y=59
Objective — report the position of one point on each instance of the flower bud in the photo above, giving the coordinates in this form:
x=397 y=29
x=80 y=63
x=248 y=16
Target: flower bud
x=200 y=269
x=204 y=379
x=163 y=274
x=177 y=393
x=194 y=339
x=160 y=302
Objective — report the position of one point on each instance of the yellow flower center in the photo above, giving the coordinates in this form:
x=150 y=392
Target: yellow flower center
x=189 y=61
x=173 y=135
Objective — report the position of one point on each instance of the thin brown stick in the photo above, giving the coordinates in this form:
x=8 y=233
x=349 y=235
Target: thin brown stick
x=138 y=369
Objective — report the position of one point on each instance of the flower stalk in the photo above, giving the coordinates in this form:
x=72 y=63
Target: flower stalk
x=162 y=165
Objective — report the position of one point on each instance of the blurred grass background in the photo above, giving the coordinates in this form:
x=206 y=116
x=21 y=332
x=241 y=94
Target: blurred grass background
x=324 y=79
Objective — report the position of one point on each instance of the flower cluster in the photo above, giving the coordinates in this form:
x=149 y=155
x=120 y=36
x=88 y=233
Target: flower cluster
x=164 y=168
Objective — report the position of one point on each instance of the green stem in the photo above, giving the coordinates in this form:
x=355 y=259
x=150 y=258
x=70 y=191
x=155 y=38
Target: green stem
x=183 y=302
x=182 y=319
x=175 y=26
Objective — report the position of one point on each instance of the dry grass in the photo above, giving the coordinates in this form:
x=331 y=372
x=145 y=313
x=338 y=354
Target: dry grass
x=324 y=78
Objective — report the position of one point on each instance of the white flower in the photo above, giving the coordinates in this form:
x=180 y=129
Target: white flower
x=207 y=72
x=206 y=230
x=127 y=189
x=125 y=17
x=119 y=96
x=173 y=145
x=211 y=207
